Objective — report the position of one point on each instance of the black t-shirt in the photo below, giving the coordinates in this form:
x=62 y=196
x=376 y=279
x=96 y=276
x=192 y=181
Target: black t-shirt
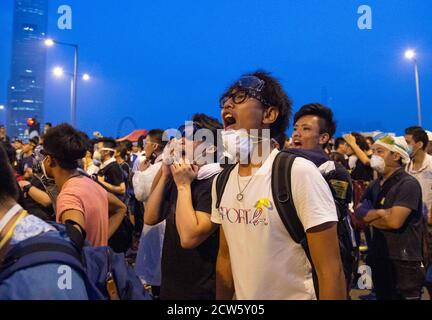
x=24 y=163
x=35 y=208
x=362 y=172
x=188 y=274
x=405 y=244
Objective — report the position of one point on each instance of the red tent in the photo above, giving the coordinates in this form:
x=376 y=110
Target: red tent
x=134 y=135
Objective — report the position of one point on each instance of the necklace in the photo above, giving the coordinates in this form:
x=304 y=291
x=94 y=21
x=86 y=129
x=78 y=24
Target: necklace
x=240 y=195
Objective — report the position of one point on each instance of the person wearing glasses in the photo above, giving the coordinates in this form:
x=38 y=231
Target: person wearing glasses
x=258 y=259
x=181 y=195
x=393 y=206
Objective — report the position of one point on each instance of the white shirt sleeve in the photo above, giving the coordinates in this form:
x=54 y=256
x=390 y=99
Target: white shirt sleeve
x=142 y=181
x=215 y=217
x=311 y=195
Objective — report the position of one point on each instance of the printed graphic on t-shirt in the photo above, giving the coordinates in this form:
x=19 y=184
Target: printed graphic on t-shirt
x=253 y=216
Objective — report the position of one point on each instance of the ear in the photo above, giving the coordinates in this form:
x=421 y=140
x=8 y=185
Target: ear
x=324 y=138
x=51 y=162
x=270 y=115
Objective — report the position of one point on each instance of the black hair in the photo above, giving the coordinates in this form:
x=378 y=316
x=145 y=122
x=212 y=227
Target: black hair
x=10 y=152
x=109 y=143
x=141 y=141
x=361 y=141
x=49 y=124
x=338 y=142
x=122 y=149
x=370 y=139
x=339 y=158
x=8 y=183
x=275 y=95
x=157 y=136
x=66 y=144
x=207 y=122
x=410 y=130
x=325 y=114
x=420 y=135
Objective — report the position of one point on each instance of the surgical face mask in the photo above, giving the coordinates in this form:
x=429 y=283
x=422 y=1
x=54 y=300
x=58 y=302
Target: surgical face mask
x=352 y=161
x=237 y=144
x=378 y=164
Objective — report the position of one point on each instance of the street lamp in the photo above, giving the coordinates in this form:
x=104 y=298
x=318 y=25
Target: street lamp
x=59 y=73
x=49 y=43
x=2 y=107
x=411 y=55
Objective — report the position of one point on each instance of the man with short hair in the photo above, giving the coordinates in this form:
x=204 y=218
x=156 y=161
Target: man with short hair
x=392 y=205
x=39 y=282
x=93 y=211
x=314 y=127
x=258 y=258
x=420 y=166
x=409 y=133
x=110 y=174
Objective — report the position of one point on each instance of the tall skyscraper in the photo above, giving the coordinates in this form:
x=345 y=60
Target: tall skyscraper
x=27 y=76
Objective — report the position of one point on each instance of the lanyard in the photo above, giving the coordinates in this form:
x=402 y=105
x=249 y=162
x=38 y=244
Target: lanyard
x=12 y=229
x=8 y=216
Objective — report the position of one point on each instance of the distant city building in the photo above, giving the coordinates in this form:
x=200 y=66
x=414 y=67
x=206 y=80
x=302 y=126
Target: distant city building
x=27 y=74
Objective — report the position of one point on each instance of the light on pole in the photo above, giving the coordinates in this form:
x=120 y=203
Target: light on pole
x=411 y=55
x=49 y=43
x=2 y=107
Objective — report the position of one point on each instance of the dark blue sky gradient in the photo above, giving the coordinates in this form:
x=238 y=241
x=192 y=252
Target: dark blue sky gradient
x=159 y=62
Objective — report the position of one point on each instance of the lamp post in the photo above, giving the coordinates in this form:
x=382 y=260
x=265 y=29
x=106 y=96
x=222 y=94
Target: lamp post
x=411 y=55
x=50 y=43
x=59 y=73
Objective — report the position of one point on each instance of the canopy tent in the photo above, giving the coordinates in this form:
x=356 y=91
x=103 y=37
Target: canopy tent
x=134 y=135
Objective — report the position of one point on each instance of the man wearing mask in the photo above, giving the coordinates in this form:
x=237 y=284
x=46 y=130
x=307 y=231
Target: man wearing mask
x=148 y=260
x=392 y=205
x=182 y=196
x=258 y=258
x=110 y=174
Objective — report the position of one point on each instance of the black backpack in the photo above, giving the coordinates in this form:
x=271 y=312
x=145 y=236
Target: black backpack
x=282 y=195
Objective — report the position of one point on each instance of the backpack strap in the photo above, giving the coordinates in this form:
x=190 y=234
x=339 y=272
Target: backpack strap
x=282 y=195
x=221 y=182
x=40 y=250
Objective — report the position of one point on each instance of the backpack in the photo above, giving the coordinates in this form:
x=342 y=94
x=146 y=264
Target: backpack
x=282 y=195
x=105 y=273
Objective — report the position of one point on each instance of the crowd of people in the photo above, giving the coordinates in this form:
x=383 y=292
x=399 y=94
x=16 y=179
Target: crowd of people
x=230 y=209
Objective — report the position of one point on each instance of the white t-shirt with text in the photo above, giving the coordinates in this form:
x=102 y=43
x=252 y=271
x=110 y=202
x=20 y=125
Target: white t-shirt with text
x=266 y=263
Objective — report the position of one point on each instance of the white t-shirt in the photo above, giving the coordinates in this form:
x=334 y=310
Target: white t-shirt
x=266 y=263
x=424 y=177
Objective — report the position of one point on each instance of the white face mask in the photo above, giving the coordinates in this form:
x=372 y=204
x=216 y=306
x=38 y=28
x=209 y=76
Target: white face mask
x=378 y=164
x=352 y=161
x=237 y=144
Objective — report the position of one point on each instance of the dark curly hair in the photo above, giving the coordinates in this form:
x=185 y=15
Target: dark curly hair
x=275 y=95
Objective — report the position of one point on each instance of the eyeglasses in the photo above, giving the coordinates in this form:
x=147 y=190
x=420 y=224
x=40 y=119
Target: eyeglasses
x=247 y=87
